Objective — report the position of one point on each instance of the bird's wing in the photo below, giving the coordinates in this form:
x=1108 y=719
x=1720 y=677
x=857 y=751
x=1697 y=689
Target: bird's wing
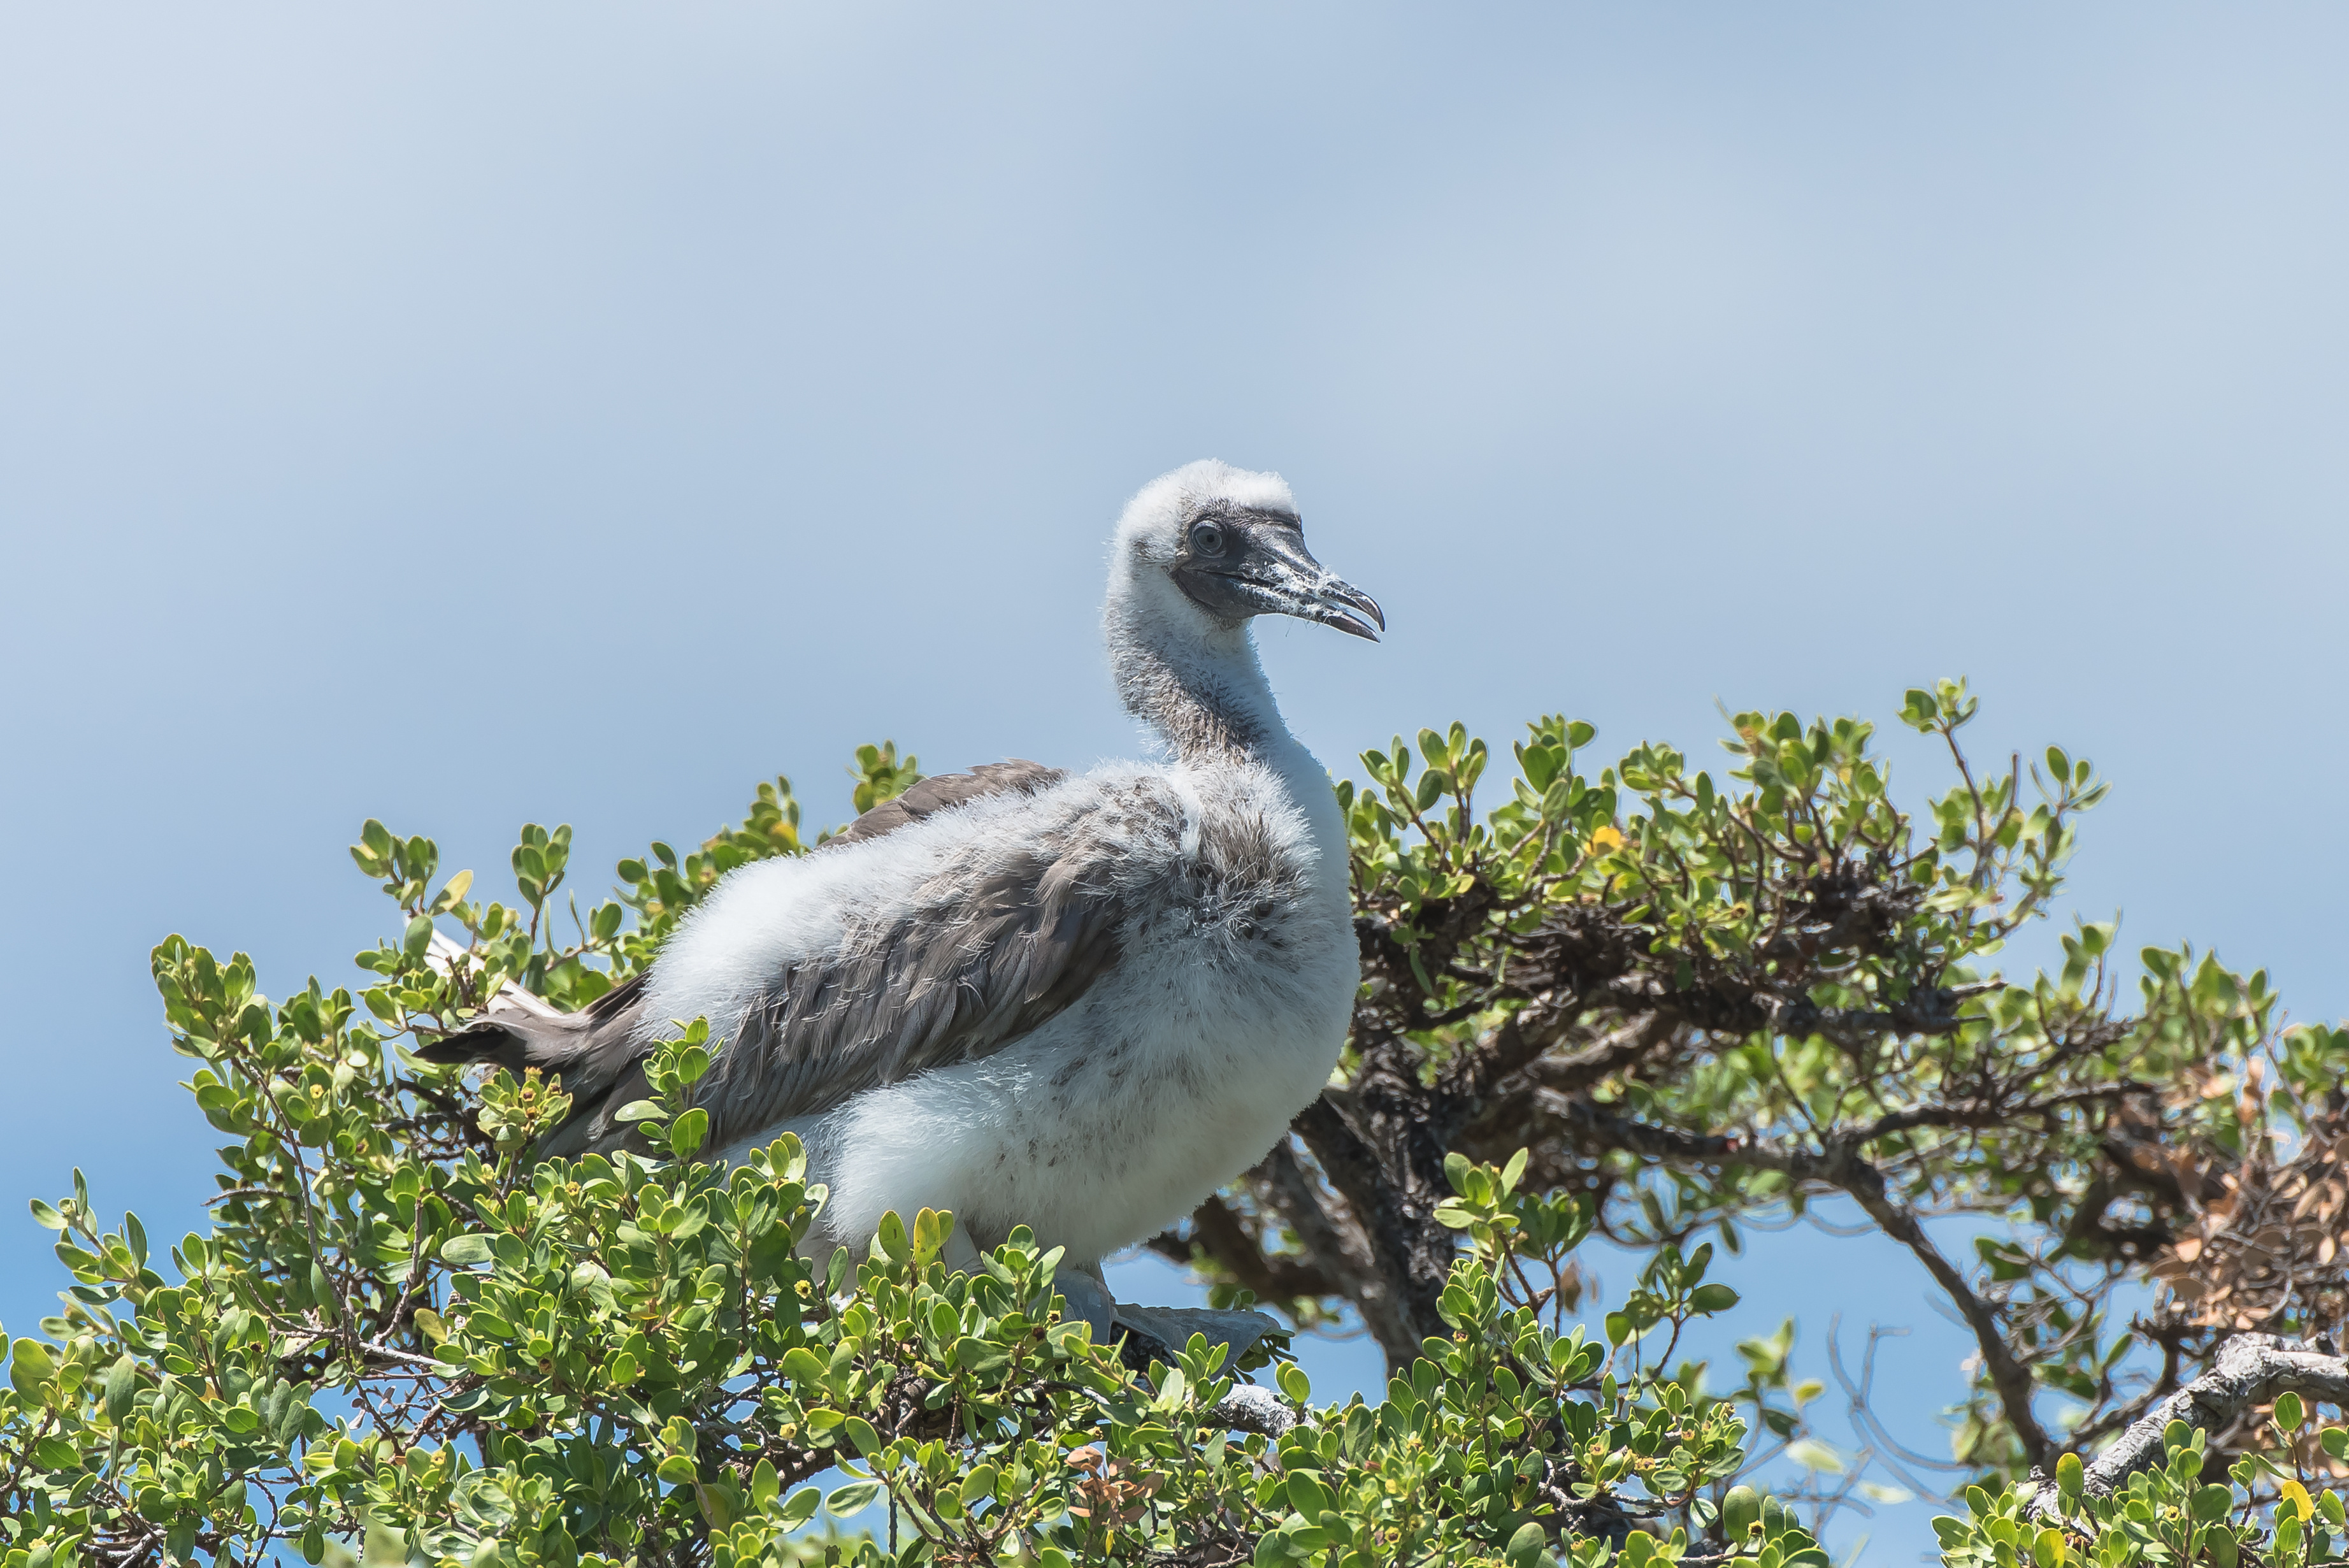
x=982 y=952
x=939 y=791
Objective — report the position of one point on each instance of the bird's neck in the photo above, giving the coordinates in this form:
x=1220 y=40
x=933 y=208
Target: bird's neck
x=1205 y=697
x=1209 y=708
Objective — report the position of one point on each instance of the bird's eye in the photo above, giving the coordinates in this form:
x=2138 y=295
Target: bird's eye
x=1207 y=538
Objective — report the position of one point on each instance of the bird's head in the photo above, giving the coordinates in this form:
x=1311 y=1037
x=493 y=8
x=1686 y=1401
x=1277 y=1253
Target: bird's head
x=1230 y=546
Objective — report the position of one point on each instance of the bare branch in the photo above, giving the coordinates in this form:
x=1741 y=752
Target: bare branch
x=1251 y=1408
x=2252 y=1369
x=1841 y=1167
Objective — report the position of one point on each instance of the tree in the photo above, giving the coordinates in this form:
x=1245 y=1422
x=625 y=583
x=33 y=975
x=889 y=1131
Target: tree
x=1649 y=1004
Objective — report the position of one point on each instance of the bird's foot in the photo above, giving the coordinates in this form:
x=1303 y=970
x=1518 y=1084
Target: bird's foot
x=1084 y=1297
x=1153 y=1334
x=1156 y=1333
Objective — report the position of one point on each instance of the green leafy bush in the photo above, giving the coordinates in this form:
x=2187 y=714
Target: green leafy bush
x=1641 y=1002
x=625 y=1360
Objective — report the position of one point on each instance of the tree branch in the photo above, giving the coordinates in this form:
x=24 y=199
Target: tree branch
x=1250 y=1408
x=1224 y=1234
x=1335 y=1239
x=2008 y=1376
x=1394 y=1193
x=1839 y=1166
x=2252 y=1369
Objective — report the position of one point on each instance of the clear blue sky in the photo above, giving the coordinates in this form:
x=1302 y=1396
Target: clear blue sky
x=465 y=415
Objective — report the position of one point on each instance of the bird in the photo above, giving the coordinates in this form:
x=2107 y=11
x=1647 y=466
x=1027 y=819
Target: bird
x=1076 y=1001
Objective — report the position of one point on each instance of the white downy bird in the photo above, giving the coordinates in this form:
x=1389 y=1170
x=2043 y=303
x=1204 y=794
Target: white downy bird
x=1080 y=1002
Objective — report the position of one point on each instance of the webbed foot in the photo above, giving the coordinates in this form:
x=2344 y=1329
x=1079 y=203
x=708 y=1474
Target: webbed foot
x=1085 y=1296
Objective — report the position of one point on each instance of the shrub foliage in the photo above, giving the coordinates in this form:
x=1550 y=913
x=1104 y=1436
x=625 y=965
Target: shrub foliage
x=1649 y=1004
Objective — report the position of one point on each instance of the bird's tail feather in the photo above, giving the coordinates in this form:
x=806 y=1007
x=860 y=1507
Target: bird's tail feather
x=592 y=1053
x=497 y=1041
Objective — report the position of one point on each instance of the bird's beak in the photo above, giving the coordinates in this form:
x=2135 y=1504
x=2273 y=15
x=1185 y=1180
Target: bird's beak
x=1301 y=586
x=1340 y=603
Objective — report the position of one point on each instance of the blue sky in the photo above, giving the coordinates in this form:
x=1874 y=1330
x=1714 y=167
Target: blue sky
x=473 y=415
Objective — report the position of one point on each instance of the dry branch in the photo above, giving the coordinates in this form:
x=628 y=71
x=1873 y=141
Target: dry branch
x=2251 y=1370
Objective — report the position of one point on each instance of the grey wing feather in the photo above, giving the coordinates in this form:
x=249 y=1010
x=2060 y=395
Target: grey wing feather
x=969 y=967
x=939 y=791
x=958 y=976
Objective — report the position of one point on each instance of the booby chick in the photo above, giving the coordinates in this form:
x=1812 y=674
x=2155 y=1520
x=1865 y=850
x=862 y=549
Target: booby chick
x=1079 y=1002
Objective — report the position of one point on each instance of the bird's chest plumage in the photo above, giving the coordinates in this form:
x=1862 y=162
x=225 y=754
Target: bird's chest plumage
x=1222 y=1018
x=1250 y=956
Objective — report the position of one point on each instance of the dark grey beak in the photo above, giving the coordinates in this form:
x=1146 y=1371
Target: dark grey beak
x=1349 y=609
x=1293 y=582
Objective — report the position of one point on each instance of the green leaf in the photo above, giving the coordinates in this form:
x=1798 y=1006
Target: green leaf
x=469 y=1250
x=30 y=1366
x=639 y=1111
x=2211 y=1503
x=847 y=1500
x=892 y=1240
x=684 y=1134
x=1173 y=1391
x=931 y=1229
x=1712 y=1298
x=456 y=890
x=977 y=1487
x=980 y=1357
x=121 y=1387
x=799 y=1508
x=1524 y=1548
x=1294 y=1383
